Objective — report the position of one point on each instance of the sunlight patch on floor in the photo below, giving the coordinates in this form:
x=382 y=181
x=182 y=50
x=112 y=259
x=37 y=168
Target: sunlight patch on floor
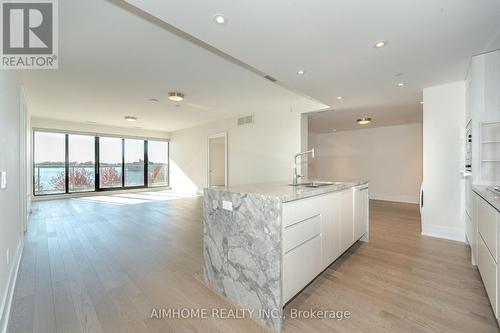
x=136 y=197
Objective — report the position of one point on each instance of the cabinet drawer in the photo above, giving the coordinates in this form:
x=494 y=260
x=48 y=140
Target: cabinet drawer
x=300 y=266
x=301 y=210
x=487 y=226
x=301 y=232
x=488 y=270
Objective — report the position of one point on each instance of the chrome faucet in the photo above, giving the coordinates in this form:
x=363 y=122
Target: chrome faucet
x=296 y=176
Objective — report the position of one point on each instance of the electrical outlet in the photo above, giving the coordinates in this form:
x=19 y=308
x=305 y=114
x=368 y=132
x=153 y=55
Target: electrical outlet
x=8 y=256
x=227 y=205
x=3 y=180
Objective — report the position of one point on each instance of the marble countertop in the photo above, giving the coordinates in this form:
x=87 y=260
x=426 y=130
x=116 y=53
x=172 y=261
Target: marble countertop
x=488 y=195
x=286 y=192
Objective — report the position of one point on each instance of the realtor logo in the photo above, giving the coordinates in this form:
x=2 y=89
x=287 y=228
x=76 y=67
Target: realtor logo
x=29 y=34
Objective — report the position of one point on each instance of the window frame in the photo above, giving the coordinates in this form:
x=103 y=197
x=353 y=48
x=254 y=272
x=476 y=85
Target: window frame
x=97 y=184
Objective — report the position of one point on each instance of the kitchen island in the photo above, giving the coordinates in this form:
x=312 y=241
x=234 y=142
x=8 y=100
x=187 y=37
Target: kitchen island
x=263 y=243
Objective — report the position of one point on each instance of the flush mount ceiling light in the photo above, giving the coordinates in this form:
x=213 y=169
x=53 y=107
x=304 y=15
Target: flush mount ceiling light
x=364 y=121
x=220 y=19
x=301 y=72
x=175 y=96
x=340 y=98
x=130 y=118
x=401 y=84
x=380 y=44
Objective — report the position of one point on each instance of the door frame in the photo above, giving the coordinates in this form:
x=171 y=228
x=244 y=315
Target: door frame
x=214 y=136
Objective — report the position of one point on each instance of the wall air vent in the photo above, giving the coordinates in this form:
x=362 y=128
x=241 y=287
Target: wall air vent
x=245 y=120
x=270 y=78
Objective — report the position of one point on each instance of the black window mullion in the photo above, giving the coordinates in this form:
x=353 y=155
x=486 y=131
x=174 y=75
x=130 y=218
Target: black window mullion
x=146 y=164
x=168 y=163
x=123 y=163
x=97 y=172
x=66 y=163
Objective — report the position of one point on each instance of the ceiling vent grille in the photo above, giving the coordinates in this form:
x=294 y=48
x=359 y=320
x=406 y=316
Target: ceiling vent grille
x=245 y=120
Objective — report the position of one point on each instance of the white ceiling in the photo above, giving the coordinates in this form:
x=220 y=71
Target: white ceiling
x=112 y=61
x=345 y=120
x=430 y=43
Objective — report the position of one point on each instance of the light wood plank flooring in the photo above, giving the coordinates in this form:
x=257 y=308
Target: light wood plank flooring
x=102 y=265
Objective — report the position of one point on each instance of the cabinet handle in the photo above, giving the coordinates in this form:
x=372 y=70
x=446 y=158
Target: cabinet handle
x=363 y=189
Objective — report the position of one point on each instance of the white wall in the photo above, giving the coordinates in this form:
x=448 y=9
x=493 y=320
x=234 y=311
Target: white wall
x=258 y=152
x=390 y=158
x=96 y=128
x=443 y=129
x=10 y=211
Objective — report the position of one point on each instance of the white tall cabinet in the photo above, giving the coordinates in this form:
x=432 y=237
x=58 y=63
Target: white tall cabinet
x=483 y=115
x=483 y=109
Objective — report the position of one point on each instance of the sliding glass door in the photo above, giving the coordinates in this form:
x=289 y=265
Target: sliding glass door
x=158 y=163
x=110 y=162
x=134 y=163
x=75 y=163
x=49 y=168
x=81 y=168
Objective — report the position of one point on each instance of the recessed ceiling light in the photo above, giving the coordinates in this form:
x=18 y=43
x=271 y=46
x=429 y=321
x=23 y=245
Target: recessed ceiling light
x=153 y=100
x=334 y=130
x=380 y=44
x=175 y=96
x=401 y=84
x=220 y=19
x=364 y=121
x=301 y=72
x=130 y=118
x=340 y=98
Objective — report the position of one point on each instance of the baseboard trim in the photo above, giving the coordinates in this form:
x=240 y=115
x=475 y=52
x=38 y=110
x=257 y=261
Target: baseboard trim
x=437 y=231
x=11 y=285
x=395 y=198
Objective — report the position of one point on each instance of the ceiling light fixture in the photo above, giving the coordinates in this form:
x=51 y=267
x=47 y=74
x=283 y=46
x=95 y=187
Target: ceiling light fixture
x=175 y=96
x=130 y=118
x=220 y=19
x=301 y=72
x=340 y=98
x=364 y=121
x=401 y=84
x=380 y=44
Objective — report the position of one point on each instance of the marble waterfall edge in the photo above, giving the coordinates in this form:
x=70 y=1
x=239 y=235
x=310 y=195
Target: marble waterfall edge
x=242 y=252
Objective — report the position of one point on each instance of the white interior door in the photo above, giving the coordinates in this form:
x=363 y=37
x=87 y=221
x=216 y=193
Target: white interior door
x=217 y=160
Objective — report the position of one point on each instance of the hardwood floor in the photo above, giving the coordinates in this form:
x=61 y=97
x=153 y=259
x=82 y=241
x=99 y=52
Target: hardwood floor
x=102 y=264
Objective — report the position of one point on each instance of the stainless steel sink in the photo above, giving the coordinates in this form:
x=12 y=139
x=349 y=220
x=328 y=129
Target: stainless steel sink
x=316 y=184
x=319 y=184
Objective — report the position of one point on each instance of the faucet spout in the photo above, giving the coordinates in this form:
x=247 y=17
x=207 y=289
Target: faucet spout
x=296 y=176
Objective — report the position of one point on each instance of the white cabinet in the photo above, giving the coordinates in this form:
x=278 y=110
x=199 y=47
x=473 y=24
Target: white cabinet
x=316 y=231
x=488 y=270
x=360 y=211
x=300 y=266
x=486 y=218
x=483 y=106
x=487 y=226
x=346 y=220
x=330 y=228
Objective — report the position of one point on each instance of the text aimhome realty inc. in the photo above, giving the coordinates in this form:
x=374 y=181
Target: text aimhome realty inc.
x=228 y=313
